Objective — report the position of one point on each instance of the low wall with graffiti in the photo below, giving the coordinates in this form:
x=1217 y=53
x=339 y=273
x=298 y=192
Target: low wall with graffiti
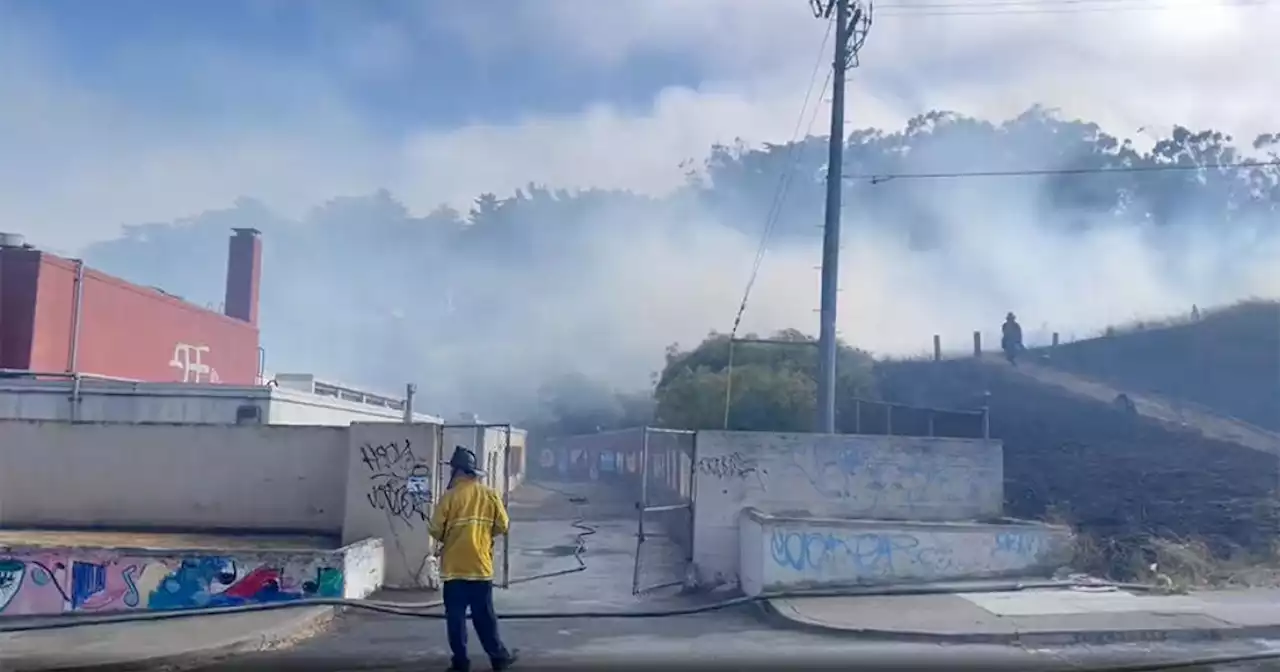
x=780 y=553
x=41 y=581
x=836 y=476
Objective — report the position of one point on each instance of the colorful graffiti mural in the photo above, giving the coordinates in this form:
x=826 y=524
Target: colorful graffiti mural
x=53 y=582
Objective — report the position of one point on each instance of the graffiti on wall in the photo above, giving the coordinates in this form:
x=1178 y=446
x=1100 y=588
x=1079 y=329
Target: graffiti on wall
x=734 y=466
x=863 y=556
x=399 y=482
x=54 y=582
x=912 y=480
x=191 y=361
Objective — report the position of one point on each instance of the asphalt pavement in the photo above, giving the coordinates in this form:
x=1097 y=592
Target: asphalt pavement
x=739 y=638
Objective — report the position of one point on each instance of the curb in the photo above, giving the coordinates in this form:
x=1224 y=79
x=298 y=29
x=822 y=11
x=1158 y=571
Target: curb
x=771 y=615
x=289 y=630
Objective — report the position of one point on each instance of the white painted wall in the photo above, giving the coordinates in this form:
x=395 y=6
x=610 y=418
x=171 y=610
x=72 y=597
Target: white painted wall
x=363 y=568
x=382 y=458
x=848 y=476
x=259 y=478
x=780 y=553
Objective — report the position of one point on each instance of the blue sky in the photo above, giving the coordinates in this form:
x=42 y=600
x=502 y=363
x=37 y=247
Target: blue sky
x=127 y=111
x=421 y=72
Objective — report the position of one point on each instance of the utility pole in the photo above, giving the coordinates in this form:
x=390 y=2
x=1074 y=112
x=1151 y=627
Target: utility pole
x=851 y=25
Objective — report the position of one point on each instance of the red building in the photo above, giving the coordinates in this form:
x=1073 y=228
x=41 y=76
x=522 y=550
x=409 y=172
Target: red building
x=57 y=316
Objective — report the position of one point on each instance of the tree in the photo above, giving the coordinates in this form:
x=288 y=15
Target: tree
x=574 y=404
x=437 y=298
x=773 y=386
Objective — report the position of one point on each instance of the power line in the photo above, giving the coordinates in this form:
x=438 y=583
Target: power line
x=775 y=208
x=853 y=23
x=1031 y=172
x=1033 y=8
x=784 y=181
x=962 y=4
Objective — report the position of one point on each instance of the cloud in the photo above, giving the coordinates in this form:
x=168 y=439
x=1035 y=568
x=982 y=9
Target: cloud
x=82 y=156
x=293 y=134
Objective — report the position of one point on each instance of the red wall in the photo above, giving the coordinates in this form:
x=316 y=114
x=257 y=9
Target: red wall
x=19 y=272
x=128 y=331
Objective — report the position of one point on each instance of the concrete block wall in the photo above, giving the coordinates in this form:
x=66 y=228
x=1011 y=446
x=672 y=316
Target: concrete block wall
x=836 y=476
x=781 y=553
x=43 y=581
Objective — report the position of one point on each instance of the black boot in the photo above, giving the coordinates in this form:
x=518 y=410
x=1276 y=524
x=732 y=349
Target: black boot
x=505 y=663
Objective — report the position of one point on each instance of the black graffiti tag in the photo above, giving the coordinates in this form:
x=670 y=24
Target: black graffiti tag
x=733 y=466
x=399 y=483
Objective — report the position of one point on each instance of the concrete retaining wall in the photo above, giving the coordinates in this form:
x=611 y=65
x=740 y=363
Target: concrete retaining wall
x=192 y=477
x=779 y=553
x=849 y=476
x=369 y=480
x=39 y=581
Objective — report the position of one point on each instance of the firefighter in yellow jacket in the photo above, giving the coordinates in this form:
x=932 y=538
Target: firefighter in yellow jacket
x=465 y=521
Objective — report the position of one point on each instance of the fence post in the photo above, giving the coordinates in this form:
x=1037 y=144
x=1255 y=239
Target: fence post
x=506 y=497
x=986 y=415
x=977 y=344
x=930 y=423
x=1055 y=339
x=888 y=419
x=857 y=416
x=937 y=348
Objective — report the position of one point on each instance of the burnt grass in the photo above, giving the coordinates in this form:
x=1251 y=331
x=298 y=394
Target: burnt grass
x=1131 y=484
x=1228 y=361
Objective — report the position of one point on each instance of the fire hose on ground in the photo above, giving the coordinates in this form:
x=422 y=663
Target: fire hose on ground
x=430 y=609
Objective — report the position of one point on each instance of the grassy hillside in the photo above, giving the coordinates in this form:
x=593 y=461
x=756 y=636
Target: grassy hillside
x=1118 y=476
x=1228 y=360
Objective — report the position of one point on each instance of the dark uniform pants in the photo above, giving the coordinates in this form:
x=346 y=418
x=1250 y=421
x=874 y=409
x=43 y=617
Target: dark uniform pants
x=460 y=595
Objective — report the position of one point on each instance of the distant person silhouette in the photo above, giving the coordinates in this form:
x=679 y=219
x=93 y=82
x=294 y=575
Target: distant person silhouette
x=1011 y=338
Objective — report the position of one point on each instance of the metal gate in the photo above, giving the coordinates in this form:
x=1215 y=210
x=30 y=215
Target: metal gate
x=664 y=512
x=490 y=454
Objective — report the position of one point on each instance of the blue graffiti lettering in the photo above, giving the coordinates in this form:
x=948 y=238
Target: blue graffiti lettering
x=867 y=555
x=1021 y=544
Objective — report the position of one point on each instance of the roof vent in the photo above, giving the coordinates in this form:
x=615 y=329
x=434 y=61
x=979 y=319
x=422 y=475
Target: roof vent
x=12 y=240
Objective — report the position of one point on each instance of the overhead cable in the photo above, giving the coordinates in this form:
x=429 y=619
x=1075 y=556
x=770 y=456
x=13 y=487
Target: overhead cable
x=1032 y=172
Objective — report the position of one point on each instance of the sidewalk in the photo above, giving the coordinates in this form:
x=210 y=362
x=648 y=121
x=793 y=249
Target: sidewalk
x=180 y=642
x=1041 y=617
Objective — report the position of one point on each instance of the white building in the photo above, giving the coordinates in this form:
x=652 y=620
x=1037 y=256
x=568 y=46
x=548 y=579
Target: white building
x=289 y=399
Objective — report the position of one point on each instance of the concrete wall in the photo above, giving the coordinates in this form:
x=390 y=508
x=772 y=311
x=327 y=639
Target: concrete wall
x=49 y=581
x=779 y=553
x=250 y=478
x=490 y=444
x=394 y=477
x=850 y=476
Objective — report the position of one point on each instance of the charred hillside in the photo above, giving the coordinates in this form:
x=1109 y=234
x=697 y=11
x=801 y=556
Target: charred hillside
x=1072 y=448
x=1228 y=360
